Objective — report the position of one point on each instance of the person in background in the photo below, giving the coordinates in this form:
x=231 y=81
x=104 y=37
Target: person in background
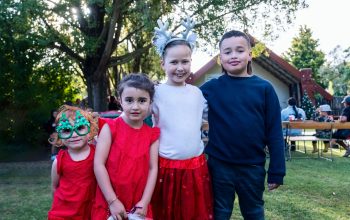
x=77 y=103
x=113 y=104
x=244 y=119
x=50 y=127
x=342 y=134
x=323 y=116
x=292 y=113
x=83 y=104
x=70 y=103
x=72 y=176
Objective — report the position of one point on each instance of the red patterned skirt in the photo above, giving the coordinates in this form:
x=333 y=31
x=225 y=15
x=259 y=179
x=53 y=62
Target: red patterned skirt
x=183 y=190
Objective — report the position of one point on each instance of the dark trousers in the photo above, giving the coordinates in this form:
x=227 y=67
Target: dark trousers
x=245 y=180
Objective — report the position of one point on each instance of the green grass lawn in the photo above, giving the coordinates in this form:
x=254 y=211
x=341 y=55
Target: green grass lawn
x=24 y=190
x=314 y=189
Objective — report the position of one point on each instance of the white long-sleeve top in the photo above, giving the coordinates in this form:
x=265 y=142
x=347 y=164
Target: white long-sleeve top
x=285 y=113
x=177 y=111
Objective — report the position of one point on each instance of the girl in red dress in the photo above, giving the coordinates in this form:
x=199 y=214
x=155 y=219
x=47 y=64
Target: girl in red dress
x=126 y=159
x=72 y=175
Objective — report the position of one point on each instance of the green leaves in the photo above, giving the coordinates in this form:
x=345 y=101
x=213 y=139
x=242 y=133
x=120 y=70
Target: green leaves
x=307 y=106
x=303 y=53
x=34 y=79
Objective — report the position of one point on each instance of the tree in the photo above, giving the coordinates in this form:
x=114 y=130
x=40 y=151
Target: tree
x=303 y=53
x=100 y=35
x=31 y=84
x=337 y=71
x=307 y=106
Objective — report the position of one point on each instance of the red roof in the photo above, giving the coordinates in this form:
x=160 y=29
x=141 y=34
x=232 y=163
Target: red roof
x=278 y=67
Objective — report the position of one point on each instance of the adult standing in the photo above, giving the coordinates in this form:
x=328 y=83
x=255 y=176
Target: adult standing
x=113 y=104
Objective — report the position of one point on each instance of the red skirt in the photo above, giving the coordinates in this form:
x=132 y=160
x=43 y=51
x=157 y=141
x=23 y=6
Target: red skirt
x=183 y=190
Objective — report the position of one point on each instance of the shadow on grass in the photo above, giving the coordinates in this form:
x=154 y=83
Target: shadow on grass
x=17 y=153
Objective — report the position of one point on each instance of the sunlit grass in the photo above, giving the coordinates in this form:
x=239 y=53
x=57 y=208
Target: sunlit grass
x=313 y=189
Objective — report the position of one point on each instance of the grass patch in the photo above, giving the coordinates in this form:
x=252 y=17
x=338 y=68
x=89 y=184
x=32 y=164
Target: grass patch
x=314 y=189
x=25 y=190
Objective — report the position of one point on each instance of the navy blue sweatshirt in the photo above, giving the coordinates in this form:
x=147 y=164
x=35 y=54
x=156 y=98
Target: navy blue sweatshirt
x=244 y=116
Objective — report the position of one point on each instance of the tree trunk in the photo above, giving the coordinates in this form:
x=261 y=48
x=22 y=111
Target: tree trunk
x=97 y=93
x=89 y=91
x=136 y=64
x=99 y=90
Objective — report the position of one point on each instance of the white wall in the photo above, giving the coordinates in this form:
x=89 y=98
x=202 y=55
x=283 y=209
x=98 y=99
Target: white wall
x=281 y=88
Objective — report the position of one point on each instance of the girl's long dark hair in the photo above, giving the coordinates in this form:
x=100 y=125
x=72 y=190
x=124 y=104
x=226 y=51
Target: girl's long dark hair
x=235 y=33
x=293 y=102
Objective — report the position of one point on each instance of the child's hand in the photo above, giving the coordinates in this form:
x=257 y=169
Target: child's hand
x=272 y=186
x=117 y=210
x=141 y=208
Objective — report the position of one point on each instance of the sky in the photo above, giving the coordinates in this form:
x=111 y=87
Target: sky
x=329 y=22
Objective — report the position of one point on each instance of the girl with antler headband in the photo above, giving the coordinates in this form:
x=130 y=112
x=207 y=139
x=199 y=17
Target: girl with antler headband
x=183 y=188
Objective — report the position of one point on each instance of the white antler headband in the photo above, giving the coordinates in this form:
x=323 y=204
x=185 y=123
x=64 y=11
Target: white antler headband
x=162 y=37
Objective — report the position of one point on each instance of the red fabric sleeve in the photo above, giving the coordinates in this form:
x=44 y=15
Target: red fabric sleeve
x=155 y=134
x=110 y=122
x=92 y=145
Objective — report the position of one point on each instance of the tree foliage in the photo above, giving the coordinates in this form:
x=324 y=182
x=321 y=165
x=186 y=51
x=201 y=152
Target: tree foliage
x=31 y=82
x=303 y=53
x=111 y=38
x=307 y=106
x=337 y=71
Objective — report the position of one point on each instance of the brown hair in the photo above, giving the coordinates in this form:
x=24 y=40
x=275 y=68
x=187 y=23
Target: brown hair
x=175 y=43
x=235 y=33
x=138 y=81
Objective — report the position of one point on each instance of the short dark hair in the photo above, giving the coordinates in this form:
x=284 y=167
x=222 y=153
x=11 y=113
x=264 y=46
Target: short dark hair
x=175 y=43
x=292 y=101
x=138 y=81
x=235 y=33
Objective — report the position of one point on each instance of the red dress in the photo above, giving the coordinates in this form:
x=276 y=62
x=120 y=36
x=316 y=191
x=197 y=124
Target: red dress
x=127 y=164
x=74 y=195
x=183 y=190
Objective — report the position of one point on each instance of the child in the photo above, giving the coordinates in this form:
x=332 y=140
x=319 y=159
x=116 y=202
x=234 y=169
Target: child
x=183 y=185
x=324 y=111
x=72 y=171
x=126 y=159
x=244 y=117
